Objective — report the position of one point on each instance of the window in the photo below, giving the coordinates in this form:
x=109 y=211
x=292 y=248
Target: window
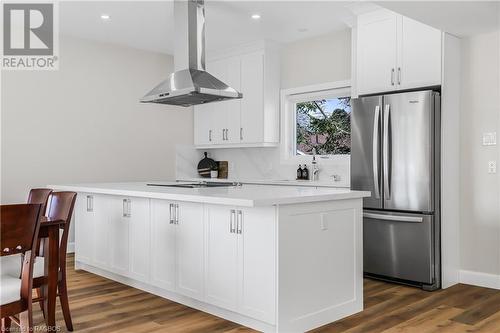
x=323 y=124
x=316 y=117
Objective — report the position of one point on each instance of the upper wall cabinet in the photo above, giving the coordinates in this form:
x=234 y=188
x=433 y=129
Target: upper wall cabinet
x=252 y=121
x=395 y=53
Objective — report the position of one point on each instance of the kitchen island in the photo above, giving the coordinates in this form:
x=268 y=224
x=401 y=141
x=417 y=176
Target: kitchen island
x=274 y=258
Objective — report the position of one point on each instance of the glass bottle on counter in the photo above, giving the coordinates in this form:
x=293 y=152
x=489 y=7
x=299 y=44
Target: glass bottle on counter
x=299 y=172
x=305 y=172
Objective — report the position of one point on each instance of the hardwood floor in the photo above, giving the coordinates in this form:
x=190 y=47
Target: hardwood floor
x=101 y=305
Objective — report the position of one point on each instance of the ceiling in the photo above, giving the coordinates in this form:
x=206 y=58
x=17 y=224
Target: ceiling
x=460 y=18
x=148 y=25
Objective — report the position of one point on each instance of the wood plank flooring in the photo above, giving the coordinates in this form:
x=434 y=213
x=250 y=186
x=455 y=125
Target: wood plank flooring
x=101 y=305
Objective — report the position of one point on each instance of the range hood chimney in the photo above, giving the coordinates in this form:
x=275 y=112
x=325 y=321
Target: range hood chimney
x=190 y=84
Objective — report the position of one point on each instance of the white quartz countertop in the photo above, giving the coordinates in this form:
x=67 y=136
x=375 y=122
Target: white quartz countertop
x=247 y=195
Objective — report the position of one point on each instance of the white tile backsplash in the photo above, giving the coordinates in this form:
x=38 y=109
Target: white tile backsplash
x=255 y=164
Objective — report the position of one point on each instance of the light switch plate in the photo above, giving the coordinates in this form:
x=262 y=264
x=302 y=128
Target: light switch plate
x=490 y=139
x=492 y=167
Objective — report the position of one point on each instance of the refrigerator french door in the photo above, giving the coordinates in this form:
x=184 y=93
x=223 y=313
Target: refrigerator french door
x=394 y=154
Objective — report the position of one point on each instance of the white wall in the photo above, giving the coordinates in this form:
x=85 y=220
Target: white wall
x=306 y=62
x=84 y=122
x=480 y=191
x=316 y=60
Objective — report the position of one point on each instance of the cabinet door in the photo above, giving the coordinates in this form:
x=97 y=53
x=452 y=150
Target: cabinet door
x=91 y=230
x=420 y=55
x=257 y=263
x=84 y=228
x=162 y=244
x=252 y=103
x=204 y=124
x=221 y=257
x=119 y=224
x=219 y=69
x=189 y=243
x=140 y=249
x=233 y=107
x=377 y=52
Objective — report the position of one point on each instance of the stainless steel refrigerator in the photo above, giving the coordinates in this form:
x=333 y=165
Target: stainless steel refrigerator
x=395 y=149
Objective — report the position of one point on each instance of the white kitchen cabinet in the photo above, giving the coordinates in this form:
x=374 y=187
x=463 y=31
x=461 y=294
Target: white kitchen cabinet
x=377 y=52
x=204 y=123
x=139 y=238
x=119 y=226
x=240 y=260
x=252 y=77
x=177 y=236
x=396 y=53
x=91 y=229
x=252 y=121
x=189 y=249
x=162 y=244
x=221 y=257
x=257 y=263
x=420 y=55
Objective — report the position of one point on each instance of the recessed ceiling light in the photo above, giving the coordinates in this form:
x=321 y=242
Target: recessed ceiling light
x=105 y=17
x=256 y=16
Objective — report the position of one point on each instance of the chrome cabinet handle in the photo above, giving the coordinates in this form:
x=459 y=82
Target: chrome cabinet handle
x=127 y=208
x=227 y=134
x=392 y=76
x=176 y=213
x=239 y=227
x=232 y=229
x=415 y=219
x=210 y=135
x=399 y=75
x=375 y=152
x=223 y=134
x=90 y=203
x=241 y=133
x=386 y=157
x=171 y=206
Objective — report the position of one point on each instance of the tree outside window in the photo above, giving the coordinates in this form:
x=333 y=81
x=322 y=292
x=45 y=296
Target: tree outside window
x=324 y=124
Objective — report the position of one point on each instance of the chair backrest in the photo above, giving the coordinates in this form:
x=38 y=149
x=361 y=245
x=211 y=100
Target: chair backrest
x=19 y=228
x=39 y=196
x=61 y=208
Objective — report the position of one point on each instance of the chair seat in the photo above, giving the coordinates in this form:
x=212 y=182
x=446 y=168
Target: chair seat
x=10 y=289
x=11 y=266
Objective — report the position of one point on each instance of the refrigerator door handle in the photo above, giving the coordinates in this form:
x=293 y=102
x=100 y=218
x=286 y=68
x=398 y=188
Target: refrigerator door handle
x=399 y=218
x=386 y=154
x=375 y=152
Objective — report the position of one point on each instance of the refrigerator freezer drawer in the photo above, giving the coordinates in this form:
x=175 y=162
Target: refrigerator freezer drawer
x=399 y=246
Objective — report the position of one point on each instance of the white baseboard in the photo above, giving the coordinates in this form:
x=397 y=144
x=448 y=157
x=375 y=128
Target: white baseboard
x=480 y=279
x=71 y=247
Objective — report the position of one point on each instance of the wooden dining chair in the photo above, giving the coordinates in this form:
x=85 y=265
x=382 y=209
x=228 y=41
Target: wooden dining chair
x=60 y=208
x=20 y=225
x=39 y=196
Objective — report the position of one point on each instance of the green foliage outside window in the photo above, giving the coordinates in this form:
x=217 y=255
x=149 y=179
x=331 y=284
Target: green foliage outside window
x=325 y=125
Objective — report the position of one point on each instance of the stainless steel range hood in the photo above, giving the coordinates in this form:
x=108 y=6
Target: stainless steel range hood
x=192 y=85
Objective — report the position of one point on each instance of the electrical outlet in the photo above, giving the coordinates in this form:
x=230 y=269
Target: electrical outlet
x=492 y=167
x=490 y=139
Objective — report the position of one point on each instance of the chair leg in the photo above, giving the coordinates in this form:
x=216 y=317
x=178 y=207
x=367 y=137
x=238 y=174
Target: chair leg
x=39 y=294
x=26 y=321
x=6 y=324
x=63 y=298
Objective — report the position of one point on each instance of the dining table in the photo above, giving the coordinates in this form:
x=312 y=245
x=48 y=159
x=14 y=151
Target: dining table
x=49 y=229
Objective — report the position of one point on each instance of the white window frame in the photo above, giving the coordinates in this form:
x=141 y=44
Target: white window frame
x=288 y=118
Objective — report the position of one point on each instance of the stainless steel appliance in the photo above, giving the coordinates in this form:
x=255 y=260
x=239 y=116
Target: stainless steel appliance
x=192 y=85
x=395 y=154
x=199 y=184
